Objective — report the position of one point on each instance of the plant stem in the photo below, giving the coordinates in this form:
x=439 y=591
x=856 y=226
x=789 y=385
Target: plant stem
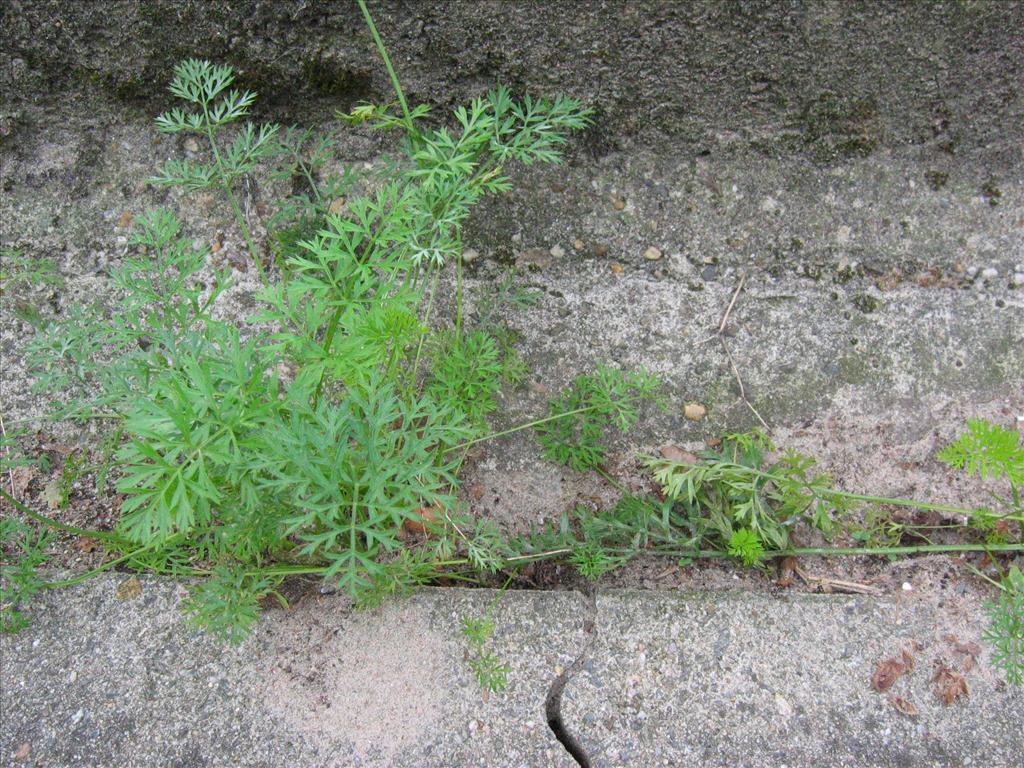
x=835 y=551
x=426 y=321
x=225 y=183
x=48 y=521
x=95 y=571
x=407 y=118
x=528 y=425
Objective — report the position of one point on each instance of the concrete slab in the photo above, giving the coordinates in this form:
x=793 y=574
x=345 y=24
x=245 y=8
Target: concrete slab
x=670 y=679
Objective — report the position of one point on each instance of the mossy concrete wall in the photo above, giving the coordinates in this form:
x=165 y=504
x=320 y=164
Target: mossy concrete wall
x=833 y=78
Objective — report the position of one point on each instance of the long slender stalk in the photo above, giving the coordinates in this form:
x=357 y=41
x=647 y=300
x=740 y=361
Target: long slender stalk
x=232 y=200
x=56 y=524
x=383 y=51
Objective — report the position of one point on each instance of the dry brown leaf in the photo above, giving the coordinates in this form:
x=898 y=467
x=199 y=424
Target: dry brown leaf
x=787 y=572
x=903 y=705
x=949 y=684
x=20 y=477
x=86 y=544
x=890 y=670
x=616 y=267
x=129 y=589
x=969 y=648
x=427 y=516
x=675 y=453
x=337 y=206
x=52 y=495
x=125 y=220
x=476 y=492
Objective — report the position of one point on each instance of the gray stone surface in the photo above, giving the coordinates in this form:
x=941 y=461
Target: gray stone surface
x=675 y=679
x=832 y=78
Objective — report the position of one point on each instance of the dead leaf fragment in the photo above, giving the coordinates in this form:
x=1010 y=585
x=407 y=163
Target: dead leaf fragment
x=890 y=670
x=20 y=477
x=675 y=453
x=86 y=544
x=949 y=684
x=616 y=267
x=903 y=705
x=969 y=648
x=787 y=572
x=336 y=206
x=52 y=495
x=129 y=589
x=426 y=516
x=125 y=220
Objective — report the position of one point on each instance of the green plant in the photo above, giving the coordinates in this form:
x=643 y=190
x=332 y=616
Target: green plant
x=315 y=446
x=18 y=270
x=491 y=674
x=22 y=552
x=1005 y=631
x=205 y=86
x=580 y=417
x=734 y=499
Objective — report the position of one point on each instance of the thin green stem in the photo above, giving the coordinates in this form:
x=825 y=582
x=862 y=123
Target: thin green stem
x=225 y=183
x=94 y=572
x=50 y=522
x=528 y=425
x=921 y=549
x=383 y=51
x=426 y=321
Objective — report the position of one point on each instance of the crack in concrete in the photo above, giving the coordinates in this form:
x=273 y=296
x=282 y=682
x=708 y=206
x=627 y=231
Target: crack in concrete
x=553 y=702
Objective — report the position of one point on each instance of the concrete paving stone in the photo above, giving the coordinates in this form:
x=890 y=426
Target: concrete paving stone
x=737 y=679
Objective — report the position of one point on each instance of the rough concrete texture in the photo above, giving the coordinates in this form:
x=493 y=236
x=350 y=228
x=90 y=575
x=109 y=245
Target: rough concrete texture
x=834 y=77
x=670 y=679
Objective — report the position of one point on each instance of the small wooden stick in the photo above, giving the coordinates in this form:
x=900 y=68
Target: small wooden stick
x=837 y=585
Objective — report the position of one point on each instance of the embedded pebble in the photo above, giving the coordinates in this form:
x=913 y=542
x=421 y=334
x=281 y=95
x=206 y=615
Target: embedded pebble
x=990 y=273
x=577 y=244
x=1018 y=279
x=470 y=255
x=619 y=204
x=557 y=251
x=191 y=145
x=652 y=254
x=694 y=411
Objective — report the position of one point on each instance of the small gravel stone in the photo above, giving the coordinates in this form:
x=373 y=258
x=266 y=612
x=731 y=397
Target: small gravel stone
x=191 y=145
x=577 y=244
x=557 y=251
x=1018 y=279
x=470 y=255
x=990 y=273
x=618 y=204
x=652 y=254
x=694 y=411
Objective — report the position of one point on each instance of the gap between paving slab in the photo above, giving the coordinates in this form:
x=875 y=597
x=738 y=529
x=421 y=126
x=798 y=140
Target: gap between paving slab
x=725 y=679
